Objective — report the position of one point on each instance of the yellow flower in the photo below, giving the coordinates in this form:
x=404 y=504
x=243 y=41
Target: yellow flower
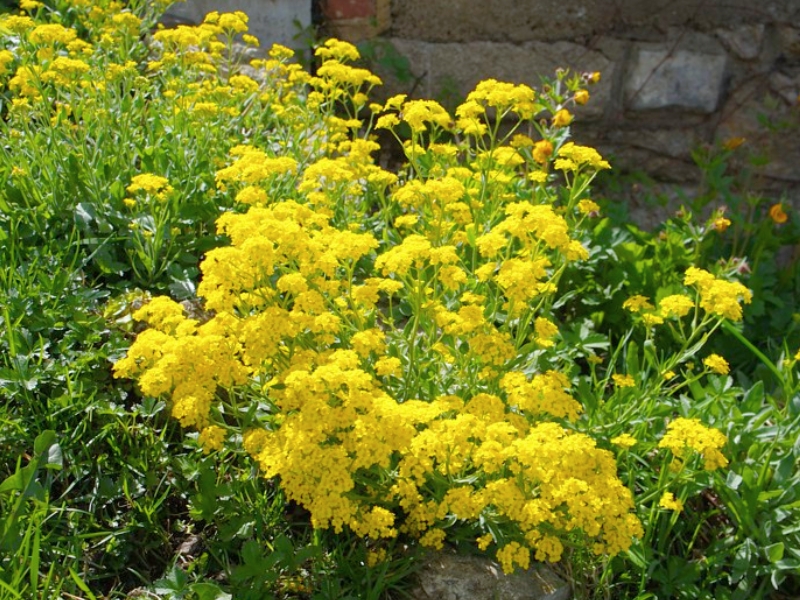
x=376 y=557
x=717 y=364
x=583 y=155
x=234 y=22
x=52 y=33
x=623 y=381
x=652 y=320
x=418 y=112
x=624 y=440
x=588 y=207
x=251 y=195
x=581 y=97
x=211 y=438
x=17 y=23
x=434 y=538
x=387 y=121
x=562 y=118
x=637 y=304
x=339 y=50
x=250 y=40
x=721 y=224
x=128 y=22
x=521 y=141
x=388 y=366
x=280 y=52
x=676 y=305
x=690 y=434
x=149 y=184
x=545 y=330
x=718 y=296
x=538 y=176
x=30 y=5
x=670 y=502
x=514 y=554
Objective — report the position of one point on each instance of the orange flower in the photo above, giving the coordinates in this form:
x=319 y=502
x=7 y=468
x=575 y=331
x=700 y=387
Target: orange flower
x=733 y=143
x=542 y=151
x=777 y=214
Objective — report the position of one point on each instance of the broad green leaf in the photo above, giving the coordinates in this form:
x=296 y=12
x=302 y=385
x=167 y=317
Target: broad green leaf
x=774 y=552
x=209 y=591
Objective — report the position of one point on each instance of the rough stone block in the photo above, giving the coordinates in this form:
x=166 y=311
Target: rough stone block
x=675 y=142
x=660 y=78
x=743 y=42
x=789 y=40
x=776 y=148
x=271 y=21
x=452 y=577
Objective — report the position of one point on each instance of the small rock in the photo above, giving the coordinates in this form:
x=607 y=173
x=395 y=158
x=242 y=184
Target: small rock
x=446 y=576
x=785 y=86
x=743 y=42
x=190 y=547
x=789 y=41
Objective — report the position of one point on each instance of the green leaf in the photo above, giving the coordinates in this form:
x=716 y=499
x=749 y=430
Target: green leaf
x=733 y=480
x=108 y=264
x=85 y=214
x=13 y=483
x=636 y=554
x=174 y=584
x=753 y=400
x=182 y=289
x=632 y=359
x=209 y=591
x=48 y=451
x=784 y=470
x=81 y=584
x=774 y=552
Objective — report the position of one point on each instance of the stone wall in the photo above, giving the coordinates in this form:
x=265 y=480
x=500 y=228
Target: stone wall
x=676 y=74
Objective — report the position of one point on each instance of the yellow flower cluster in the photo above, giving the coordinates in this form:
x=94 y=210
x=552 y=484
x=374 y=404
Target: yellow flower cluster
x=717 y=364
x=684 y=435
x=505 y=97
x=339 y=84
x=670 y=502
x=572 y=157
x=718 y=296
x=149 y=184
x=382 y=319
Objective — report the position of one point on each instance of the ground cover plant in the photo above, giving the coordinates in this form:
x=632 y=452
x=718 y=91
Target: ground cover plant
x=338 y=367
